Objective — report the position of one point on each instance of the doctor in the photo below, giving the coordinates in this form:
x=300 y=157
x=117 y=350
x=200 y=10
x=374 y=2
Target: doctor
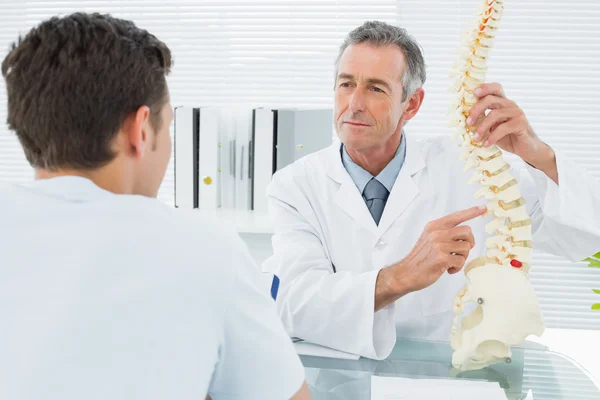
x=369 y=234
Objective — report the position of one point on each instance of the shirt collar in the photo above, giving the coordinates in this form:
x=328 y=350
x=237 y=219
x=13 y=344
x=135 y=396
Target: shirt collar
x=71 y=188
x=387 y=176
x=360 y=176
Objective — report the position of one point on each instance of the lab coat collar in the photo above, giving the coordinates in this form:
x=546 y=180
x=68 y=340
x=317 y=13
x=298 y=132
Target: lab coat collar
x=349 y=199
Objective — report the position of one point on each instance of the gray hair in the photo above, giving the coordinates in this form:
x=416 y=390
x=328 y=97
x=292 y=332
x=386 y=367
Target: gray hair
x=378 y=34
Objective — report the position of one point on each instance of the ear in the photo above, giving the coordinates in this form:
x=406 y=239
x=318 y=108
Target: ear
x=137 y=130
x=413 y=104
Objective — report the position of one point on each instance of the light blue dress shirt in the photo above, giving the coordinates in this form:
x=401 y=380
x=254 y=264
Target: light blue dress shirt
x=387 y=177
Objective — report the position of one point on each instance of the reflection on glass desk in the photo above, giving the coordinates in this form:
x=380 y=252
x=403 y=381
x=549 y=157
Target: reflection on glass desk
x=546 y=374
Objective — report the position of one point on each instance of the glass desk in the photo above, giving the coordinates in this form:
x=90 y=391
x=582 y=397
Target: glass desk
x=548 y=375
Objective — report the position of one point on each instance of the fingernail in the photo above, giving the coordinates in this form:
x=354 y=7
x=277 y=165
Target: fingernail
x=477 y=91
x=482 y=207
x=477 y=137
x=486 y=144
x=469 y=121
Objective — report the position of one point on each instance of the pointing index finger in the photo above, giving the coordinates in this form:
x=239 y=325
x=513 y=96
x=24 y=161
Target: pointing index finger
x=458 y=217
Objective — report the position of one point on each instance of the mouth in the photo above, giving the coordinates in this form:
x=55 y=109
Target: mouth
x=355 y=123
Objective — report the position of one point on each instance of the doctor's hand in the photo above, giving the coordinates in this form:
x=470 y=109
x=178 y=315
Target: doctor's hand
x=507 y=127
x=443 y=246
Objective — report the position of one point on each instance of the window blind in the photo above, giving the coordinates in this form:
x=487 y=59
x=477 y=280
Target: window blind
x=546 y=57
x=276 y=53
x=13 y=166
x=281 y=53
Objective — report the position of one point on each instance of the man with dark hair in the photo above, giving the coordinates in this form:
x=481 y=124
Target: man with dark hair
x=105 y=291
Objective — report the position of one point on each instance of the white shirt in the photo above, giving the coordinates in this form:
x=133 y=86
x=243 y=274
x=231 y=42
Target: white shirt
x=106 y=296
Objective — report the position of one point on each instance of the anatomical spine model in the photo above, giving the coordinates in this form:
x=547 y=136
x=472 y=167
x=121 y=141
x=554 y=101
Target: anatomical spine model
x=507 y=310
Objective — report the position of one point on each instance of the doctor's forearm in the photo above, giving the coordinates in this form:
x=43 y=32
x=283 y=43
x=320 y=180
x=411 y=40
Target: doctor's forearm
x=389 y=287
x=545 y=161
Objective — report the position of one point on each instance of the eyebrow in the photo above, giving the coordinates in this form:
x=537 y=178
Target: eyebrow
x=372 y=81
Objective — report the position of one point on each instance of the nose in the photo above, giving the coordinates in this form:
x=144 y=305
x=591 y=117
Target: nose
x=357 y=102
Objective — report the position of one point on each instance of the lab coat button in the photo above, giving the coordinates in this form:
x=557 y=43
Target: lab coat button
x=380 y=244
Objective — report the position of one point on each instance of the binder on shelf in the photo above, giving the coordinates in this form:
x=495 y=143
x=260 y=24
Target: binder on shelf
x=263 y=165
x=208 y=157
x=196 y=157
x=301 y=132
x=282 y=136
x=226 y=175
x=186 y=157
x=243 y=157
x=226 y=157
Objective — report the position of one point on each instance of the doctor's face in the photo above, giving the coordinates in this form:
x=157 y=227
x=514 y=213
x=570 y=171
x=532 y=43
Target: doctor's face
x=368 y=96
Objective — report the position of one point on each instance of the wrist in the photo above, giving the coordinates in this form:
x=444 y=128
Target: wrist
x=390 y=286
x=545 y=160
x=396 y=279
x=542 y=159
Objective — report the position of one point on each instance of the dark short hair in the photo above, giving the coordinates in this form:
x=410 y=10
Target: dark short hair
x=72 y=81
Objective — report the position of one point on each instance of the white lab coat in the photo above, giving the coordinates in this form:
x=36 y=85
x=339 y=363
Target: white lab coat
x=320 y=220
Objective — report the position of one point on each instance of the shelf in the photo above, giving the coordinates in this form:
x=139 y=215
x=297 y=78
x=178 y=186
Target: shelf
x=244 y=221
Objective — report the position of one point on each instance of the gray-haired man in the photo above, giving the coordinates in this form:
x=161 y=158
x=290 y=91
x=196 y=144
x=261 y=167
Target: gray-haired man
x=366 y=230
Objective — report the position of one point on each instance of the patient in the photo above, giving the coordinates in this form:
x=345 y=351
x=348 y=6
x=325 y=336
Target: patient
x=106 y=292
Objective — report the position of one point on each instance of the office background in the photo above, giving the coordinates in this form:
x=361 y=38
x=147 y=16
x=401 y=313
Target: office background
x=280 y=53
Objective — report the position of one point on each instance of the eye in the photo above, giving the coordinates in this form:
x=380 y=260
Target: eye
x=345 y=84
x=376 y=89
